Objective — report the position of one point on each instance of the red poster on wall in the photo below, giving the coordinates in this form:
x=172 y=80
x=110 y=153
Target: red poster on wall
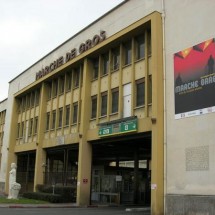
x=194 y=73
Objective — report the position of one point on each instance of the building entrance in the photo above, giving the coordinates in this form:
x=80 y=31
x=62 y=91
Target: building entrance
x=121 y=170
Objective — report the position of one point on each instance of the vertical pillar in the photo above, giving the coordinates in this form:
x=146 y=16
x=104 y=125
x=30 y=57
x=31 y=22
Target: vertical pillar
x=12 y=158
x=40 y=153
x=85 y=148
x=136 y=175
x=157 y=177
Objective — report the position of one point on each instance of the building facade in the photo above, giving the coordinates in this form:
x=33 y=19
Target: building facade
x=113 y=111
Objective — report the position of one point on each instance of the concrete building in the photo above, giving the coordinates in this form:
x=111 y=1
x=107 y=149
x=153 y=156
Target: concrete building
x=123 y=111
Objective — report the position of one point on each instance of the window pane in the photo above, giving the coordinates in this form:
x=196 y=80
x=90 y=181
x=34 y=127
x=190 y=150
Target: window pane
x=104 y=105
x=115 y=101
x=37 y=97
x=140 y=100
x=94 y=107
x=31 y=127
x=49 y=86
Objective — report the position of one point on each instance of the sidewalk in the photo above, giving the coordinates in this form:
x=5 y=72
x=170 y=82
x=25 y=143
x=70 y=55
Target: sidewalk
x=59 y=205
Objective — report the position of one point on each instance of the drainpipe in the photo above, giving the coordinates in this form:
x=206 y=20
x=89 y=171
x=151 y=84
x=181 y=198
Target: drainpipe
x=165 y=111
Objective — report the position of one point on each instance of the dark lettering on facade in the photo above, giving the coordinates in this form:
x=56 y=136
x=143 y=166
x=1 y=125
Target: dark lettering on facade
x=72 y=54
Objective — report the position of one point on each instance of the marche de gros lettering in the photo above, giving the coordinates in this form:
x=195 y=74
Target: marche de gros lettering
x=90 y=43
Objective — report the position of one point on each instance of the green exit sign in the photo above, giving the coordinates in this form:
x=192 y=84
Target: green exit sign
x=118 y=128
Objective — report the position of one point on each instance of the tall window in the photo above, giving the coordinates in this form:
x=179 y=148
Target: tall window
x=94 y=107
x=75 y=113
x=53 y=119
x=116 y=59
x=30 y=127
x=61 y=84
x=22 y=129
x=115 y=100
x=49 y=90
x=105 y=63
x=140 y=92
x=32 y=99
x=67 y=115
x=150 y=90
x=127 y=53
x=54 y=87
x=28 y=101
x=76 y=77
x=18 y=130
x=37 y=97
x=140 y=47
x=35 y=125
x=68 y=81
x=95 y=68
x=149 y=42
x=47 y=120
x=23 y=103
x=60 y=117
x=104 y=104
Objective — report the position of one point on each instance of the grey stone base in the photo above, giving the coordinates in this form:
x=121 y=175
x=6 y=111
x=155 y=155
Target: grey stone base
x=190 y=205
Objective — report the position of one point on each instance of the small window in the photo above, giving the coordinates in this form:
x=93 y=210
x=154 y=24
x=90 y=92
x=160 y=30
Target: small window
x=53 y=119
x=116 y=59
x=60 y=117
x=140 y=47
x=104 y=104
x=47 y=120
x=140 y=92
x=75 y=113
x=94 y=107
x=105 y=63
x=115 y=100
x=127 y=53
x=67 y=116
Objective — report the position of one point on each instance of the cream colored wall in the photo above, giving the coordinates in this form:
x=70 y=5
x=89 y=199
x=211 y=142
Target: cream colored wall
x=4 y=151
x=187 y=23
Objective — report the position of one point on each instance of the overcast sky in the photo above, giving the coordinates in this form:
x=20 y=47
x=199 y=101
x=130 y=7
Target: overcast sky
x=29 y=29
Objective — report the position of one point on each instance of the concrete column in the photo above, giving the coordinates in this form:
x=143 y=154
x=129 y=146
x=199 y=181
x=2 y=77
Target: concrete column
x=157 y=176
x=85 y=148
x=40 y=153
